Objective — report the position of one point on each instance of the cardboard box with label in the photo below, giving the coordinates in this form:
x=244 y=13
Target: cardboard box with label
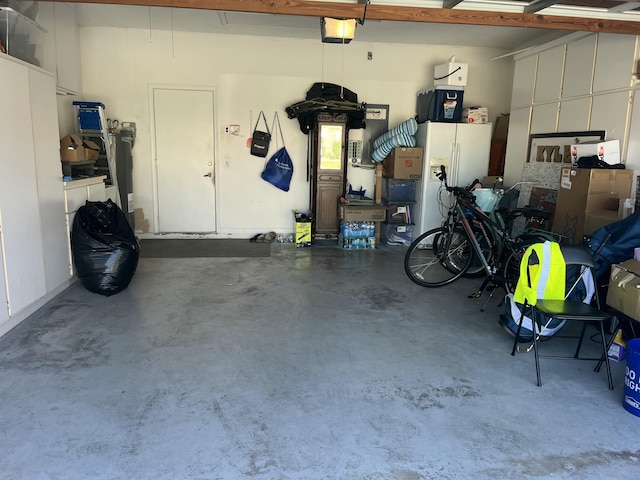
x=624 y=288
x=588 y=199
x=75 y=149
x=362 y=213
x=403 y=163
x=475 y=115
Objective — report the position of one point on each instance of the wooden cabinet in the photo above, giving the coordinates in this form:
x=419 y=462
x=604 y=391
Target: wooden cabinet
x=329 y=172
x=76 y=193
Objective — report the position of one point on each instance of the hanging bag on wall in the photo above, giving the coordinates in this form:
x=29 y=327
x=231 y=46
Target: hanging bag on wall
x=279 y=169
x=260 y=140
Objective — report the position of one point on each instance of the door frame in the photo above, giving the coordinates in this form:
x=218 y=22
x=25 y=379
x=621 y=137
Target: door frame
x=154 y=157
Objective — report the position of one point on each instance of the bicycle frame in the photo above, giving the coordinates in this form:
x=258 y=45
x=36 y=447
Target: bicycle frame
x=484 y=220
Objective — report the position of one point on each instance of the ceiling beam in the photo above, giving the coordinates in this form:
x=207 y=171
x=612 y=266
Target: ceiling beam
x=392 y=12
x=538 y=5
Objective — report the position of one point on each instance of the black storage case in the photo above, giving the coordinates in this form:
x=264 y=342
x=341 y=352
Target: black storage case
x=442 y=104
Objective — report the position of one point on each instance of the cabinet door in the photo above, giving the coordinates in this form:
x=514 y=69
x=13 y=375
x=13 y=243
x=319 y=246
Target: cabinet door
x=549 y=77
x=574 y=115
x=67 y=48
x=18 y=192
x=609 y=113
x=49 y=175
x=517 y=144
x=578 y=70
x=544 y=118
x=614 y=61
x=524 y=77
x=632 y=159
x=4 y=308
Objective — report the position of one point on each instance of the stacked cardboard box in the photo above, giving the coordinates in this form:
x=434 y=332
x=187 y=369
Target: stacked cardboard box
x=588 y=199
x=402 y=169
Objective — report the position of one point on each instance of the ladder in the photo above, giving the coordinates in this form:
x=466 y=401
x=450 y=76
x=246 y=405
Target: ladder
x=91 y=124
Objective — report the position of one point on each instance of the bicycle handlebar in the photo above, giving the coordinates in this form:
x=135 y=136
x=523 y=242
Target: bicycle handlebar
x=457 y=191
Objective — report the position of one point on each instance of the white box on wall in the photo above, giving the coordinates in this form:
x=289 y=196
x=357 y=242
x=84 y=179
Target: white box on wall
x=609 y=151
x=451 y=73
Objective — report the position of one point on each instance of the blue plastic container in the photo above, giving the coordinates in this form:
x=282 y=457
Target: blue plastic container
x=631 y=400
x=442 y=104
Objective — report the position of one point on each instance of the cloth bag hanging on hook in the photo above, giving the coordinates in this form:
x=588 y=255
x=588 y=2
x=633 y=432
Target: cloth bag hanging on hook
x=260 y=140
x=278 y=170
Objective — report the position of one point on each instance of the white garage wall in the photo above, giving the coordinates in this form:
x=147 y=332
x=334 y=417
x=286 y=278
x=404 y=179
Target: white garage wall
x=250 y=74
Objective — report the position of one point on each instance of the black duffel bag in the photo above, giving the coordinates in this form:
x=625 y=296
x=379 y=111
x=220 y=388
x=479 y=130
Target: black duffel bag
x=104 y=247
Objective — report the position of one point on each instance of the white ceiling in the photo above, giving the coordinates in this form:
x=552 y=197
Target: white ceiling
x=289 y=26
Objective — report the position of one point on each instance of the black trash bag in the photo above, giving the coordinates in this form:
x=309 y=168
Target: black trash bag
x=104 y=247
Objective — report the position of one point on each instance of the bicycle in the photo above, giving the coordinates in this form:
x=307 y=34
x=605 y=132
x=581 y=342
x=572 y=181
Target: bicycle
x=472 y=242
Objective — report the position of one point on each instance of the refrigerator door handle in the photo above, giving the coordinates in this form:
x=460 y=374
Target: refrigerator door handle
x=453 y=176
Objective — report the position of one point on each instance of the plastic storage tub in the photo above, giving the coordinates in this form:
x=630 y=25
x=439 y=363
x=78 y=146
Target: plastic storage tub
x=442 y=104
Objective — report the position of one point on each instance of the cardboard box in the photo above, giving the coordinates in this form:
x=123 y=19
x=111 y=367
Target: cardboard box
x=378 y=187
x=501 y=128
x=624 y=288
x=75 y=149
x=589 y=191
x=72 y=149
x=404 y=163
x=451 y=73
x=475 y=115
x=362 y=213
x=91 y=150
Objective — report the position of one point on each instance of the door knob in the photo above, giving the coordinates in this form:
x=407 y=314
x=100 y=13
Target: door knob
x=207 y=174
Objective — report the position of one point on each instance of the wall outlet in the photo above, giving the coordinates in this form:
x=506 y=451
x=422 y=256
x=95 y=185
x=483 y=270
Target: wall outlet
x=232 y=129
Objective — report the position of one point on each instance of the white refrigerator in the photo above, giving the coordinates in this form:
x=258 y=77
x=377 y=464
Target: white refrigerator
x=464 y=150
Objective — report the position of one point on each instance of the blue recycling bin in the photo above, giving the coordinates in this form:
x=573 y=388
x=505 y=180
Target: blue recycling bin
x=631 y=400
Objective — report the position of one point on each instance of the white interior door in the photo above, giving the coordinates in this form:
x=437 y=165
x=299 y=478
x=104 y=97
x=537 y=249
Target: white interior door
x=184 y=140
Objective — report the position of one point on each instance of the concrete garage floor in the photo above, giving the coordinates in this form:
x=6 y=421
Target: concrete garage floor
x=315 y=363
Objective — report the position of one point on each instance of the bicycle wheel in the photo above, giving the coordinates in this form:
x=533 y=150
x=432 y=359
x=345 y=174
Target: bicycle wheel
x=437 y=257
x=476 y=268
x=511 y=267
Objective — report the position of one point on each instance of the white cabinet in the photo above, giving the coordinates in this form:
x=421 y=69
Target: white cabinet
x=574 y=115
x=23 y=255
x=544 y=118
x=524 y=78
x=76 y=193
x=615 y=57
x=578 y=70
x=4 y=307
x=517 y=145
x=609 y=113
x=44 y=120
x=549 y=77
x=67 y=49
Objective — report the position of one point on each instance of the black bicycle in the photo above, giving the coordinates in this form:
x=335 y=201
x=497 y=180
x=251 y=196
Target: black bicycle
x=472 y=242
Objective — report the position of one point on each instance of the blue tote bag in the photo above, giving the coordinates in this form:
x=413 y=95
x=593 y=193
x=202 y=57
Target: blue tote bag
x=279 y=168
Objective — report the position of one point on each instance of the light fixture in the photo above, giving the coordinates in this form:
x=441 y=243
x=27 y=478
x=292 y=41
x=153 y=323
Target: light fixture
x=336 y=30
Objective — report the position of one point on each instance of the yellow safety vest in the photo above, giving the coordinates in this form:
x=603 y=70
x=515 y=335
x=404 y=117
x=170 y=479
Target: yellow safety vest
x=544 y=280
